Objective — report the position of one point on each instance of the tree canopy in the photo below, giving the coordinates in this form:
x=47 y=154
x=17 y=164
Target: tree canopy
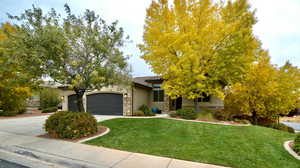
x=82 y=52
x=199 y=46
x=16 y=81
x=265 y=93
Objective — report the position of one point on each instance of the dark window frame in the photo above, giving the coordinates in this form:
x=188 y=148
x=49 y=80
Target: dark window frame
x=205 y=99
x=158 y=95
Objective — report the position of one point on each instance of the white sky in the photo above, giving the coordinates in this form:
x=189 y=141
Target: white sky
x=278 y=27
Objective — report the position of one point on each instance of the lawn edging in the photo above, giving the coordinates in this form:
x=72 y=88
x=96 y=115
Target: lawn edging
x=210 y=122
x=288 y=148
x=96 y=136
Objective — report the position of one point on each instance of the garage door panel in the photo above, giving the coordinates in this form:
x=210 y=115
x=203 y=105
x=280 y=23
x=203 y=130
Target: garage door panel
x=105 y=104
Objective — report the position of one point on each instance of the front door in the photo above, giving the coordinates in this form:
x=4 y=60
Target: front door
x=178 y=103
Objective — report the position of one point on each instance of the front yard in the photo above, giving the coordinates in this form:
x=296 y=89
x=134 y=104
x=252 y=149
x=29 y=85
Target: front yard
x=234 y=146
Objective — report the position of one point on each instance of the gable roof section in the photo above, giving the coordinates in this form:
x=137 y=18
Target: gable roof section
x=146 y=80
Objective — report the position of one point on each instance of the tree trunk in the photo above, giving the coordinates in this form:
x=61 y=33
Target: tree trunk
x=196 y=105
x=79 y=99
x=254 y=118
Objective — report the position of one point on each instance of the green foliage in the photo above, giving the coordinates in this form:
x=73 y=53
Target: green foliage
x=71 y=125
x=282 y=127
x=229 y=146
x=49 y=110
x=49 y=98
x=13 y=100
x=138 y=113
x=188 y=113
x=173 y=114
x=205 y=114
x=296 y=146
x=146 y=110
x=242 y=121
x=220 y=114
x=80 y=51
x=16 y=81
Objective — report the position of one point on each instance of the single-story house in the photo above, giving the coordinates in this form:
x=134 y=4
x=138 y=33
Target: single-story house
x=125 y=100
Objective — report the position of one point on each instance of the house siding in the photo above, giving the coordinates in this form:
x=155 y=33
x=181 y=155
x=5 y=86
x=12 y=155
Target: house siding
x=140 y=96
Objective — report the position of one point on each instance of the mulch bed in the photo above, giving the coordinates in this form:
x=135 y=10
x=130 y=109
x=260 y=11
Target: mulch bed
x=291 y=144
x=215 y=121
x=101 y=129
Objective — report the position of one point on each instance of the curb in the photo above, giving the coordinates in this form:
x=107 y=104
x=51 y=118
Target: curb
x=90 y=138
x=290 y=150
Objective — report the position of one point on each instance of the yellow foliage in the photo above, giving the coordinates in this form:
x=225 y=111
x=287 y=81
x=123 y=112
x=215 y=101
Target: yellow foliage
x=266 y=92
x=198 y=46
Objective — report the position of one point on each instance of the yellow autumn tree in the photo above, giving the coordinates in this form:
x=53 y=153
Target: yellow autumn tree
x=266 y=92
x=14 y=82
x=199 y=46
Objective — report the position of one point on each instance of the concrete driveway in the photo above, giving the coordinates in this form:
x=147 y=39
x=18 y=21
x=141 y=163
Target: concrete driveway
x=33 y=126
x=19 y=140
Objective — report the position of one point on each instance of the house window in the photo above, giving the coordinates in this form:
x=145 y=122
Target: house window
x=156 y=85
x=205 y=98
x=158 y=95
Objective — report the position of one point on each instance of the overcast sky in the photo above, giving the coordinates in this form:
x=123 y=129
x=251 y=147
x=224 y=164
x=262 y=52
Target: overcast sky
x=278 y=27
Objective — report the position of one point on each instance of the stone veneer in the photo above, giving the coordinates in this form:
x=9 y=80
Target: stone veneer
x=126 y=91
x=166 y=104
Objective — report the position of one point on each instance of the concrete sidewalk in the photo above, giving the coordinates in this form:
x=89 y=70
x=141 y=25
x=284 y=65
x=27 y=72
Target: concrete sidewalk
x=68 y=154
x=19 y=136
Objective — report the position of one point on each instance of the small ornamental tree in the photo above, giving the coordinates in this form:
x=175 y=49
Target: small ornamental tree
x=199 y=46
x=82 y=52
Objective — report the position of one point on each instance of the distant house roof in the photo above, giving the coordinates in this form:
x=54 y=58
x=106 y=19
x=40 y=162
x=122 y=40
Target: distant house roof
x=146 y=80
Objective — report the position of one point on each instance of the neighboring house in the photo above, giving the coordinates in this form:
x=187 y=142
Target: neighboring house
x=34 y=100
x=124 y=100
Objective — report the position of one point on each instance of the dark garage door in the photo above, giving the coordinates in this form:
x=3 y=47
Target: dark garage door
x=72 y=106
x=105 y=104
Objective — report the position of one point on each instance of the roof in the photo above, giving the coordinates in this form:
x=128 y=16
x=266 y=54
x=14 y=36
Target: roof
x=146 y=80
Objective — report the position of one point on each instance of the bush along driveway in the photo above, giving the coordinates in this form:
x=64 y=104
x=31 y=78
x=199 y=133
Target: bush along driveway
x=242 y=147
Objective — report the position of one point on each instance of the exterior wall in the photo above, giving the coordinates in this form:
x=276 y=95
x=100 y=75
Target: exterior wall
x=163 y=106
x=214 y=103
x=125 y=90
x=140 y=96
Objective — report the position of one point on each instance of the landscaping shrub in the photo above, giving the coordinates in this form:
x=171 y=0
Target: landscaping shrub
x=49 y=110
x=187 y=113
x=146 y=110
x=296 y=146
x=8 y=113
x=220 y=114
x=13 y=100
x=282 y=127
x=205 y=114
x=71 y=125
x=173 y=114
x=138 y=113
x=49 y=98
x=242 y=121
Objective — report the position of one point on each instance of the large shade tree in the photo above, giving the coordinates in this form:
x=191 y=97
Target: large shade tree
x=199 y=46
x=16 y=81
x=83 y=52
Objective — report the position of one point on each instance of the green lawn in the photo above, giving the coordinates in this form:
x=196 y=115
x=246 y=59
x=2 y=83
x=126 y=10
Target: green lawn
x=240 y=147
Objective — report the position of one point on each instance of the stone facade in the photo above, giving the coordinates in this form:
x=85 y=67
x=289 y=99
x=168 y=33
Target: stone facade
x=124 y=90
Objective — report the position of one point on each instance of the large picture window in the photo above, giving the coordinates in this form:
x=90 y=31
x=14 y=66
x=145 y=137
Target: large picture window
x=158 y=95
